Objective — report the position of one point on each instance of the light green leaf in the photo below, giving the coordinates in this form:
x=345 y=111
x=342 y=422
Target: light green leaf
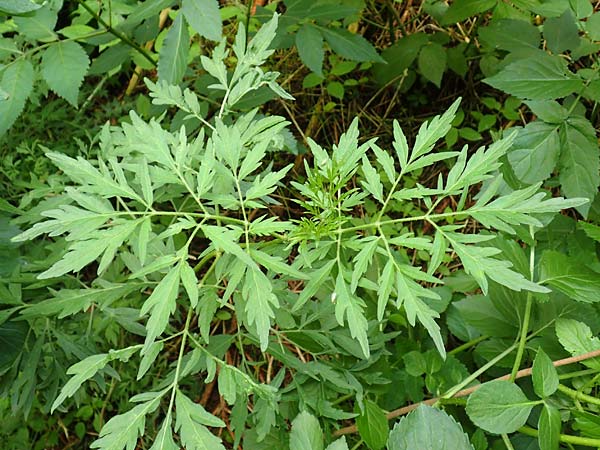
x=277 y=265
x=463 y=9
x=172 y=60
x=164 y=438
x=148 y=358
x=349 y=45
x=81 y=371
x=592 y=26
x=16 y=83
x=306 y=433
x=593 y=231
x=204 y=17
x=363 y=259
x=373 y=426
x=309 y=42
x=195 y=412
x=16 y=7
x=561 y=33
x=226 y=240
x=432 y=62
x=316 y=280
x=64 y=65
x=339 y=444
x=577 y=338
x=579 y=165
x=257 y=291
x=432 y=131
x=121 y=432
x=161 y=304
x=544 y=375
x=538 y=77
x=549 y=428
x=352 y=308
x=428 y=428
x=190 y=282
x=549 y=111
x=499 y=407
x=570 y=276
x=372 y=180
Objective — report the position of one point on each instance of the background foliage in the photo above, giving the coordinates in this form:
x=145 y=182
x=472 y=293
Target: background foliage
x=285 y=224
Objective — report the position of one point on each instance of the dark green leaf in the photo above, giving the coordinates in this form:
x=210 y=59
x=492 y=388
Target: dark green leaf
x=428 y=428
x=432 y=62
x=309 y=43
x=38 y=26
x=539 y=77
x=349 y=45
x=592 y=25
x=463 y=9
x=561 y=33
x=579 y=163
x=373 y=425
x=12 y=340
x=16 y=7
x=510 y=34
x=499 y=407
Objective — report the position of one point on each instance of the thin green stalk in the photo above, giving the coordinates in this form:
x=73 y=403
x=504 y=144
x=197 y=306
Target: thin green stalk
x=564 y=438
x=527 y=316
x=467 y=345
x=577 y=373
x=117 y=33
x=507 y=442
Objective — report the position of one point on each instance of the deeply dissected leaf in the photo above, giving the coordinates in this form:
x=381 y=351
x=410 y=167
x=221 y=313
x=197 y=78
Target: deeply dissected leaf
x=16 y=84
x=172 y=61
x=499 y=407
x=192 y=422
x=570 y=276
x=204 y=17
x=351 y=307
x=64 y=65
x=306 y=433
x=258 y=293
x=428 y=428
x=539 y=77
x=164 y=438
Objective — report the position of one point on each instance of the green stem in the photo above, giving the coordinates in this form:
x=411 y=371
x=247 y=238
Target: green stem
x=467 y=345
x=527 y=316
x=576 y=395
x=507 y=442
x=117 y=33
x=565 y=438
x=578 y=373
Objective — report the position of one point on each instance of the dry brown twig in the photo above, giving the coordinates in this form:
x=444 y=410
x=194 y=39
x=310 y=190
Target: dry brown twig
x=463 y=393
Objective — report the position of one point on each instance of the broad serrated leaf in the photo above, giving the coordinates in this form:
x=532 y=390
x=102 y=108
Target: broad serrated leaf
x=306 y=433
x=172 y=60
x=570 y=276
x=561 y=33
x=204 y=17
x=309 y=42
x=577 y=338
x=64 y=65
x=121 y=432
x=499 y=407
x=579 y=165
x=16 y=84
x=428 y=428
x=39 y=25
x=539 y=77
x=373 y=426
